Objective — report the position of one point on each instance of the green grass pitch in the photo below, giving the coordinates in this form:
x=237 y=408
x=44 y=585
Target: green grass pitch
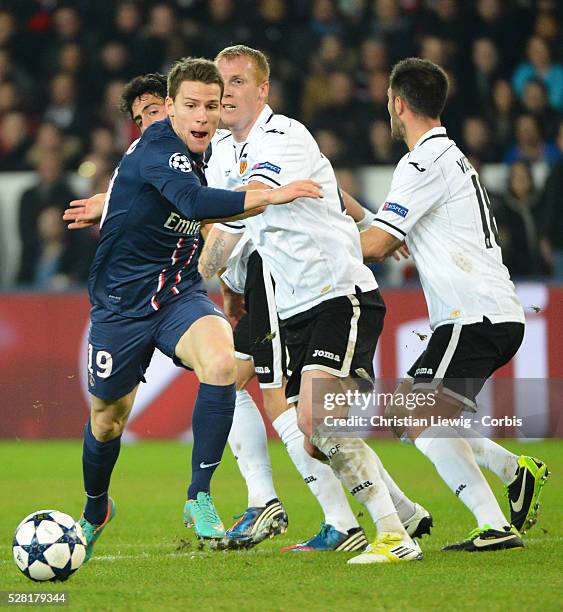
x=146 y=559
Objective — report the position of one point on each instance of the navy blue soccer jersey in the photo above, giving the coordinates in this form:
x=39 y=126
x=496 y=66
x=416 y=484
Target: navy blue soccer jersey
x=150 y=236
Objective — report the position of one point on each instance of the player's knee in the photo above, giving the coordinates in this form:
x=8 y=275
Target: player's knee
x=220 y=369
x=107 y=426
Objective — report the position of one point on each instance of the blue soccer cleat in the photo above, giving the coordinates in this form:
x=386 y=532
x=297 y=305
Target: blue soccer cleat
x=329 y=538
x=256 y=524
x=93 y=532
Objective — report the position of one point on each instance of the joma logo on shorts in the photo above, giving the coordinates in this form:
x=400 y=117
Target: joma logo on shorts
x=420 y=371
x=361 y=487
x=262 y=370
x=327 y=355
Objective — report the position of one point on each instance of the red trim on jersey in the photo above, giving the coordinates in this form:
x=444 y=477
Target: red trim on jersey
x=176 y=252
x=175 y=289
x=175 y=257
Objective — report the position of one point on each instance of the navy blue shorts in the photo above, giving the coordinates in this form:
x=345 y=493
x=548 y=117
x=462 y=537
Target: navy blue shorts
x=120 y=348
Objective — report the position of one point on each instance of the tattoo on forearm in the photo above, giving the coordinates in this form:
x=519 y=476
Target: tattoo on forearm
x=213 y=259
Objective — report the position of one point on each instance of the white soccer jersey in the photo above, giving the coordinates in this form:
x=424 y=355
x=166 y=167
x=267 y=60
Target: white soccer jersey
x=438 y=205
x=311 y=246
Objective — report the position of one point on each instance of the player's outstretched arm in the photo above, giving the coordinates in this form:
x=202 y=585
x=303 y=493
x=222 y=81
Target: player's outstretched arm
x=218 y=248
x=264 y=195
x=86 y=212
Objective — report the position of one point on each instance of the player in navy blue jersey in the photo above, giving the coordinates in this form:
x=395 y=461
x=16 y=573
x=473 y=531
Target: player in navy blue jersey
x=146 y=292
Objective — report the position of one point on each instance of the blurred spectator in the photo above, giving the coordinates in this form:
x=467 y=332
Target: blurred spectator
x=326 y=19
x=48 y=272
x=63 y=107
x=436 y=50
x=552 y=227
x=9 y=98
x=277 y=97
x=540 y=65
x=455 y=110
x=536 y=103
x=517 y=218
x=63 y=259
x=348 y=181
x=387 y=23
x=341 y=114
x=102 y=154
x=223 y=26
x=107 y=113
x=331 y=146
x=51 y=190
x=49 y=140
x=373 y=56
x=486 y=65
x=14 y=141
x=162 y=42
x=375 y=104
x=127 y=25
x=327 y=59
x=547 y=26
x=502 y=113
x=382 y=148
x=505 y=23
x=445 y=19
x=10 y=71
x=530 y=145
x=478 y=140
x=113 y=64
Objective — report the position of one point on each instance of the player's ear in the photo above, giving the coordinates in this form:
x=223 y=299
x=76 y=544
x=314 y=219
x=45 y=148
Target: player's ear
x=399 y=105
x=265 y=90
x=169 y=105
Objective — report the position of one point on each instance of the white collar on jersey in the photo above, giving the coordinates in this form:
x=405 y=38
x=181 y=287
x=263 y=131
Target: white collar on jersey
x=263 y=118
x=436 y=132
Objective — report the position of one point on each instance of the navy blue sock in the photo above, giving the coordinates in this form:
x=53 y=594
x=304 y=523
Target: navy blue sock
x=98 y=460
x=211 y=424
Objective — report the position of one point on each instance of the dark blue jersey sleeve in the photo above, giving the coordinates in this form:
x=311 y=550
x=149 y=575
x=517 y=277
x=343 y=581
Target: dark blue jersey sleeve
x=169 y=170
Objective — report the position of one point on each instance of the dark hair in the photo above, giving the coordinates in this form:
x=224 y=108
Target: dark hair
x=422 y=84
x=152 y=83
x=195 y=69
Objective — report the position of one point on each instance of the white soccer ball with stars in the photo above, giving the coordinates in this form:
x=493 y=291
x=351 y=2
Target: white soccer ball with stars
x=49 y=545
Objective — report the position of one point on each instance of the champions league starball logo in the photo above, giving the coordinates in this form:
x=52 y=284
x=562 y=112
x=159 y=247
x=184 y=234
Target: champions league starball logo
x=180 y=161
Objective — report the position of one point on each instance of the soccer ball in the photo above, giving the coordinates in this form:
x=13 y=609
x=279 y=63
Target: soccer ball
x=49 y=545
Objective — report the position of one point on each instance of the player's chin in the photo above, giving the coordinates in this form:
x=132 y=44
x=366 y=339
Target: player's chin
x=199 y=141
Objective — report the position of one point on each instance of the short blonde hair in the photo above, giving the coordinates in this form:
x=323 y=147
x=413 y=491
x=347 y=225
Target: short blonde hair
x=260 y=60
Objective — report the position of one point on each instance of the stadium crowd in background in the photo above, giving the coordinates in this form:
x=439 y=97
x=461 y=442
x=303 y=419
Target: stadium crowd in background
x=63 y=66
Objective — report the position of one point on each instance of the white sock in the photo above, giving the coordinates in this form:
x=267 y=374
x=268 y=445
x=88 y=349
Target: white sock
x=404 y=506
x=453 y=458
x=355 y=465
x=319 y=477
x=249 y=444
x=492 y=456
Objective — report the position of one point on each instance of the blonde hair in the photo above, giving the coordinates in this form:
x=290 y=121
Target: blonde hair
x=260 y=60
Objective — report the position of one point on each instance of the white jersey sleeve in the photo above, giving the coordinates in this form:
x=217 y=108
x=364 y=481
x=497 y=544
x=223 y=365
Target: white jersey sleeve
x=415 y=191
x=281 y=156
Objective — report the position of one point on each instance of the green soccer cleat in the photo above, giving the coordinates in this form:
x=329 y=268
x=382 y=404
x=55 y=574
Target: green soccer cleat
x=524 y=492
x=200 y=513
x=483 y=539
x=93 y=532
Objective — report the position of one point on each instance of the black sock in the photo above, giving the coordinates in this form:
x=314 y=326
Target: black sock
x=211 y=423
x=98 y=460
